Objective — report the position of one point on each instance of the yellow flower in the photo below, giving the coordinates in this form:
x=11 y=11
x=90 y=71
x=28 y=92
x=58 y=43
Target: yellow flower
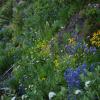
x=95 y=40
x=43 y=78
x=56 y=63
x=43 y=47
x=71 y=40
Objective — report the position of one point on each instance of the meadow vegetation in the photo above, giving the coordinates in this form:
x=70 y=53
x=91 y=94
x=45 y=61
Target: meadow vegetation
x=52 y=46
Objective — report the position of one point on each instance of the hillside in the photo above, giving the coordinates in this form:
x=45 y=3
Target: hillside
x=49 y=49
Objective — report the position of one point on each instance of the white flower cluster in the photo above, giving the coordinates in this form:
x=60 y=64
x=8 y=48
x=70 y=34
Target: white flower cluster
x=87 y=83
x=51 y=95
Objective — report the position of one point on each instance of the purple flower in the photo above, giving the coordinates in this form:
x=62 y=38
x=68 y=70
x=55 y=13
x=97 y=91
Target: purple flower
x=92 y=49
x=70 y=49
x=86 y=50
x=72 y=78
x=84 y=66
x=78 y=69
x=79 y=45
x=92 y=66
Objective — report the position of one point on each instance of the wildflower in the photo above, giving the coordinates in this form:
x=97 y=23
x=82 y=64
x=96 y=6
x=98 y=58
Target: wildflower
x=79 y=70
x=72 y=78
x=78 y=92
x=87 y=83
x=56 y=63
x=37 y=61
x=61 y=50
x=13 y=98
x=51 y=95
x=24 y=97
x=92 y=67
x=95 y=40
x=92 y=49
x=83 y=69
x=84 y=66
x=43 y=78
x=78 y=45
x=62 y=27
x=86 y=49
x=70 y=50
x=30 y=86
x=71 y=40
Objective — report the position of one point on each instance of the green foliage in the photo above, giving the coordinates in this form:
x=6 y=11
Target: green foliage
x=29 y=42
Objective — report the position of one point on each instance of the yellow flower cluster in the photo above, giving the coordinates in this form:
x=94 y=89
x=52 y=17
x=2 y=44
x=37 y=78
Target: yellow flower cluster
x=95 y=40
x=43 y=78
x=71 y=40
x=56 y=62
x=44 y=48
x=41 y=44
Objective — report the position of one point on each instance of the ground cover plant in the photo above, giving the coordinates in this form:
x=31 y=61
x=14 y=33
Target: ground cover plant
x=49 y=50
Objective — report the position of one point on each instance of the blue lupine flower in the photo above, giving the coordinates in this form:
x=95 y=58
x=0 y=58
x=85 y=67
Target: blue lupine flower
x=69 y=49
x=76 y=47
x=72 y=78
x=84 y=69
x=84 y=66
x=67 y=72
x=92 y=66
x=79 y=70
x=86 y=50
x=84 y=46
x=79 y=45
x=92 y=49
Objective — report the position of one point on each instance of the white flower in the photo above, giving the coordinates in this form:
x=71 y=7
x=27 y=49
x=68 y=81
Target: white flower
x=37 y=61
x=24 y=97
x=87 y=83
x=62 y=27
x=61 y=50
x=51 y=95
x=29 y=86
x=78 y=91
x=13 y=98
x=21 y=2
